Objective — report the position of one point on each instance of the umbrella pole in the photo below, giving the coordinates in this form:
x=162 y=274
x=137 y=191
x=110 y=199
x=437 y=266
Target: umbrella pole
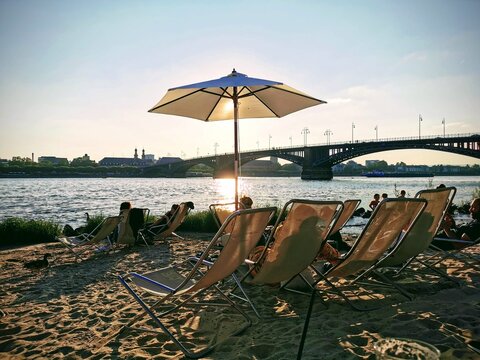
x=235 y=159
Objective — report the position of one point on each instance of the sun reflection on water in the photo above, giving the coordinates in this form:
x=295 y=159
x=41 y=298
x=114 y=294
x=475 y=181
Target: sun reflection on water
x=225 y=189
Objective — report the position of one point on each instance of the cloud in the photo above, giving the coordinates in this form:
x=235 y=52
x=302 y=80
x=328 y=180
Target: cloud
x=339 y=101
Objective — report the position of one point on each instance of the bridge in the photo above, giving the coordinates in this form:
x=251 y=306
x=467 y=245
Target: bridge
x=317 y=160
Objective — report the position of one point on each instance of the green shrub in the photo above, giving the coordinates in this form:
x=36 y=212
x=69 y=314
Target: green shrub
x=92 y=222
x=201 y=221
x=18 y=231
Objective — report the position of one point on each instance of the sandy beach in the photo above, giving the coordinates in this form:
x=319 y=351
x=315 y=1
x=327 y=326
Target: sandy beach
x=68 y=309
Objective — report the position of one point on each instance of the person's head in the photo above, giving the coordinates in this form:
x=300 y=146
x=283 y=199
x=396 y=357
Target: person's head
x=190 y=205
x=174 y=207
x=475 y=208
x=246 y=202
x=376 y=196
x=441 y=186
x=403 y=193
x=125 y=205
x=384 y=196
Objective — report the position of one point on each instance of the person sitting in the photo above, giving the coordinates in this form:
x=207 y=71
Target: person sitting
x=125 y=208
x=402 y=194
x=467 y=232
x=167 y=217
x=246 y=202
x=376 y=200
x=384 y=196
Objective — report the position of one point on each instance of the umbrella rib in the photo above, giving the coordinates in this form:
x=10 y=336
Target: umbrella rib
x=302 y=95
x=253 y=93
x=219 y=95
x=216 y=103
x=172 y=101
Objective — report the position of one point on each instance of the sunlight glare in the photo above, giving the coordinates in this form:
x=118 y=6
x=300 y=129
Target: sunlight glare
x=226 y=189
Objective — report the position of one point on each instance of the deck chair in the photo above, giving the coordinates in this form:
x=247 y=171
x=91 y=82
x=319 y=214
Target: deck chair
x=163 y=231
x=183 y=287
x=420 y=236
x=221 y=212
x=88 y=241
x=297 y=241
x=349 y=207
x=389 y=219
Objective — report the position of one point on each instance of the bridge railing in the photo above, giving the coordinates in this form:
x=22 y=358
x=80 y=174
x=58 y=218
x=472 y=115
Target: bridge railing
x=299 y=147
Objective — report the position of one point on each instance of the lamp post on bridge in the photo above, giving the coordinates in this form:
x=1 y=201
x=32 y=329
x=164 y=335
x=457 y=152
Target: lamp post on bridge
x=290 y=141
x=305 y=133
x=443 y=123
x=269 y=138
x=258 y=145
x=376 y=132
x=353 y=127
x=419 y=125
x=215 y=147
x=327 y=133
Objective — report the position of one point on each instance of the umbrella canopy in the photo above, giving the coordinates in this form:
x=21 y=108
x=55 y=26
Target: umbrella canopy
x=235 y=96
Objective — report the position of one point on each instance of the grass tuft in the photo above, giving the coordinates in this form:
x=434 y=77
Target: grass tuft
x=18 y=231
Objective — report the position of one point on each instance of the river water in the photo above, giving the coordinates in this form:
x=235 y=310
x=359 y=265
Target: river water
x=67 y=200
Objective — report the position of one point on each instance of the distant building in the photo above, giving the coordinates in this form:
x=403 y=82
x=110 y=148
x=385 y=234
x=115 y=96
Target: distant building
x=168 y=160
x=145 y=160
x=52 y=160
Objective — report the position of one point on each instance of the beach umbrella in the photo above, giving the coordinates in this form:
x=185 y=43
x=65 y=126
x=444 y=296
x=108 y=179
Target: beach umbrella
x=235 y=96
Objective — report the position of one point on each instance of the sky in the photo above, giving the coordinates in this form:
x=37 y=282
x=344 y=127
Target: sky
x=78 y=77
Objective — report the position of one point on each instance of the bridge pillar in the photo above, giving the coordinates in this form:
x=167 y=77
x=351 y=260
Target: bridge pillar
x=223 y=167
x=312 y=172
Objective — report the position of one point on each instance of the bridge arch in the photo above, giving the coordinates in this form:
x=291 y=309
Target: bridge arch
x=471 y=149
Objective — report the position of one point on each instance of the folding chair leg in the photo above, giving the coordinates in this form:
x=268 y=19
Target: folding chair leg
x=340 y=293
x=305 y=325
x=245 y=296
x=178 y=236
x=186 y=352
x=441 y=273
x=394 y=284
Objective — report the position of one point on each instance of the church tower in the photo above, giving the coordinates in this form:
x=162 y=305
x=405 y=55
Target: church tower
x=135 y=156
x=143 y=154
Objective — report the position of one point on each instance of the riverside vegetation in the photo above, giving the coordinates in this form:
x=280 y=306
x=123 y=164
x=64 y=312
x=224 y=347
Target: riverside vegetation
x=17 y=231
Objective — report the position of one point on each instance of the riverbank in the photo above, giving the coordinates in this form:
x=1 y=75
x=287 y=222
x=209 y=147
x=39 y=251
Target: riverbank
x=68 y=309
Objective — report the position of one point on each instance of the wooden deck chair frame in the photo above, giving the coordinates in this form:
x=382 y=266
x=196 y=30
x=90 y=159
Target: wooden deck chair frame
x=177 y=289
x=221 y=211
x=304 y=231
x=382 y=233
x=349 y=207
x=161 y=232
x=84 y=242
x=458 y=254
x=418 y=239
